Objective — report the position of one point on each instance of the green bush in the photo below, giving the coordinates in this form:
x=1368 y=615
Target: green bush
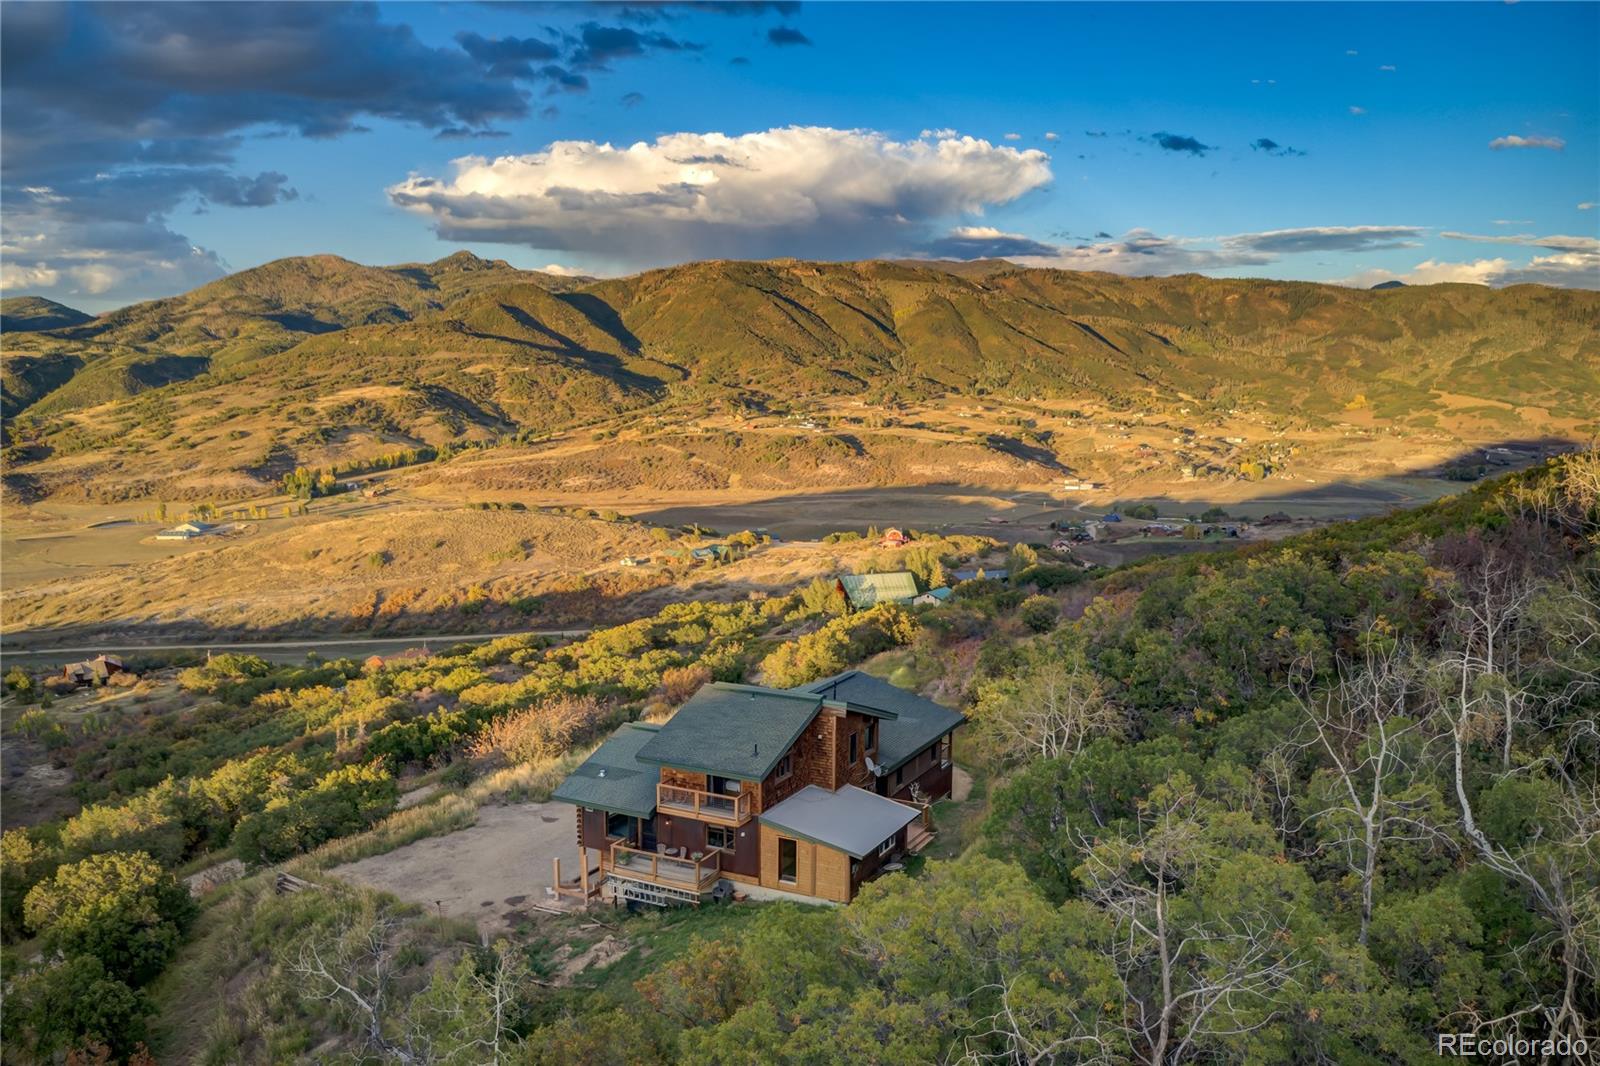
x=121 y=908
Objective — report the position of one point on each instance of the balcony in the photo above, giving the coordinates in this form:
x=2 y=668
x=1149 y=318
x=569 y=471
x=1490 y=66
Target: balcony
x=731 y=809
x=681 y=876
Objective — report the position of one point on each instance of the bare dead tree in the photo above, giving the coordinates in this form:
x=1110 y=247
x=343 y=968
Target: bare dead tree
x=1480 y=692
x=354 y=969
x=1053 y=710
x=1365 y=729
x=1185 y=981
x=1030 y=1034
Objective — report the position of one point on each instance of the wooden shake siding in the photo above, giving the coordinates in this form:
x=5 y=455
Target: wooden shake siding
x=846 y=772
x=682 y=778
x=819 y=871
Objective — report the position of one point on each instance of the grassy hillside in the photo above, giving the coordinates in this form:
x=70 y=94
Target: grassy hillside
x=24 y=314
x=314 y=360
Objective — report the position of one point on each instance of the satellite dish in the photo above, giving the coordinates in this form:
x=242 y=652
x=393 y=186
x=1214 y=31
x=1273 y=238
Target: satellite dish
x=877 y=771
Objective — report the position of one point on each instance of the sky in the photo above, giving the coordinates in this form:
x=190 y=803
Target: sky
x=145 y=150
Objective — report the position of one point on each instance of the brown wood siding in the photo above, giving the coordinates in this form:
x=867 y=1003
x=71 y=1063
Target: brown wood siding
x=682 y=778
x=819 y=871
x=677 y=831
x=935 y=780
x=591 y=828
x=867 y=868
x=924 y=769
x=846 y=772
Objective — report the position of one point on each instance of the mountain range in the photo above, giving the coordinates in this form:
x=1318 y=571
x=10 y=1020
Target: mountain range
x=316 y=360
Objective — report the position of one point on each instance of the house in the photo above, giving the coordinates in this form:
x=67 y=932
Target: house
x=186 y=531
x=868 y=590
x=711 y=551
x=635 y=560
x=996 y=574
x=808 y=791
x=409 y=657
x=96 y=671
x=893 y=538
x=933 y=597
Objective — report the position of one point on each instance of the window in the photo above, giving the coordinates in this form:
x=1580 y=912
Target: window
x=899 y=777
x=724 y=785
x=617 y=825
x=872 y=736
x=886 y=847
x=854 y=747
x=788 y=860
x=785 y=767
x=719 y=837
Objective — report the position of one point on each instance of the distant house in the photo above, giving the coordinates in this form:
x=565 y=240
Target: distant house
x=410 y=656
x=1276 y=518
x=635 y=560
x=711 y=551
x=1112 y=517
x=998 y=574
x=810 y=791
x=1061 y=544
x=933 y=597
x=96 y=671
x=868 y=590
x=893 y=538
x=186 y=531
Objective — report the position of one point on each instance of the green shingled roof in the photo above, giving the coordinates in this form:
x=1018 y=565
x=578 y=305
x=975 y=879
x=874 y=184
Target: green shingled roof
x=613 y=778
x=738 y=730
x=917 y=722
x=865 y=590
x=732 y=730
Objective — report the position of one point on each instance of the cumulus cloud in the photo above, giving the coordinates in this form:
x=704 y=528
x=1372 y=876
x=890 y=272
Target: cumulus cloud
x=805 y=191
x=1052 y=135
x=1516 y=141
x=1578 y=270
x=152 y=102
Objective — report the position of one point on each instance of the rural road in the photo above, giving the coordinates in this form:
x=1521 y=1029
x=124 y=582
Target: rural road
x=287 y=650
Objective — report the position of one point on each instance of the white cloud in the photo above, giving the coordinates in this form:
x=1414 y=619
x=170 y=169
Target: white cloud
x=1556 y=242
x=800 y=191
x=15 y=276
x=1513 y=222
x=1013 y=136
x=1351 y=52
x=1587 y=205
x=1052 y=135
x=1354 y=110
x=1325 y=239
x=1388 y=68
x=1516 y=141
x=1577 y=269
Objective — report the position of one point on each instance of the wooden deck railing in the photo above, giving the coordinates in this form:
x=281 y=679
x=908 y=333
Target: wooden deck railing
x=697 y=875
x=731 y=807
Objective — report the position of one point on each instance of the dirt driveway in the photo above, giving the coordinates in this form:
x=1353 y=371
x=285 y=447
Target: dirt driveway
x=486 y=872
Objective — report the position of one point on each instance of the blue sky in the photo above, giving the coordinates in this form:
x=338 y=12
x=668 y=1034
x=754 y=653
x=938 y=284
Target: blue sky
x=1355 y=143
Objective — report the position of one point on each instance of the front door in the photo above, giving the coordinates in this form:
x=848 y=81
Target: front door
x=647 y=834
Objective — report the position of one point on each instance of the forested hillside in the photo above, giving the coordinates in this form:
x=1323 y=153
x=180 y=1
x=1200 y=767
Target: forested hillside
x=1307 y=802
x=303 y=359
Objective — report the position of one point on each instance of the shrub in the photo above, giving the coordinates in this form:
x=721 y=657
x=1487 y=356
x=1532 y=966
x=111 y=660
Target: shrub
x=543 y=731
x=1040 y=613
x=121 y=908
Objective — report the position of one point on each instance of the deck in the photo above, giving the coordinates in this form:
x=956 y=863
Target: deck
x=682 y=878
x=729 y=809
